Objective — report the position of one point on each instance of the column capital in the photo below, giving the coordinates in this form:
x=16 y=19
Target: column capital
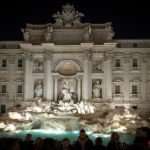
x=48 y=55
x=27 y=55
x=108 y=55
x=12 y=59
x=79 y=77
x=145 y=58
x=88 y=54
x=56 y=77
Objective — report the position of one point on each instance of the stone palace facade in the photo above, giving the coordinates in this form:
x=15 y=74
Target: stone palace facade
x=73 y=60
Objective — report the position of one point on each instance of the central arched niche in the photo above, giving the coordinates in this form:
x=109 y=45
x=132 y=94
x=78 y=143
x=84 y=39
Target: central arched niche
x=67 y=67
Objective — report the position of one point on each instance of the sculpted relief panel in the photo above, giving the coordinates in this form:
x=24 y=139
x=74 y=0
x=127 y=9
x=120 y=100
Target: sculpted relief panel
x=38 y=66
x=97 y=67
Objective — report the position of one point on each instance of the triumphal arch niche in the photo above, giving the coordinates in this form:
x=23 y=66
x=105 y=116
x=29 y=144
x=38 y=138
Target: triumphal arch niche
x=68 y=81
x=68 y=60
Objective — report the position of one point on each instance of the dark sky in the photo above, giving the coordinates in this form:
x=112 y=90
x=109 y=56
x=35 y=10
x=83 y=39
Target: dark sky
x=130 y=19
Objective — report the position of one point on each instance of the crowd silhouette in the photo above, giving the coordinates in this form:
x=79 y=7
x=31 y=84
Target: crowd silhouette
x=83 y=142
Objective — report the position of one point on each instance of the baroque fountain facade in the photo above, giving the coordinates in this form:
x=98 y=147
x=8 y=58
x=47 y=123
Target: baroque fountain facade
x=69 y=75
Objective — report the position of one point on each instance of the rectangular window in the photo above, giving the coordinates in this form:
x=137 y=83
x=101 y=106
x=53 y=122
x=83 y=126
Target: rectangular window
x=135 y=63
x=19 y=89
x=20 y=63
x=4 y=63
x=117 y=63
x=3 y=108
x=117 y=89
x=4 y=89
x=134 y=89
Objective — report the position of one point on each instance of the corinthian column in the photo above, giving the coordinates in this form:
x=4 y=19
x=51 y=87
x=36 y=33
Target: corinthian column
x=28 y=81
x=87 y=86
x=108 y=76
x=48 y=76
x=79 y=88
x=55 y=94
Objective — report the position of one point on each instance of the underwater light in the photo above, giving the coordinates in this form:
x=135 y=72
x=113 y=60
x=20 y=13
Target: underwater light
x=101 y=135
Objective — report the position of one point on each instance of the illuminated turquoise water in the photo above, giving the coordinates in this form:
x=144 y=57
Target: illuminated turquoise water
x=72 y=135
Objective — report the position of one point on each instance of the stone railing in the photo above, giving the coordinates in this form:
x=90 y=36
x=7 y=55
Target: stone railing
x=117 y=68
x=19 y=94
x=4 y=94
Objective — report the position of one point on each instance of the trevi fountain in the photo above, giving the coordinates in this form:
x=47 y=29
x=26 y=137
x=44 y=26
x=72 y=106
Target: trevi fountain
x=69 y=75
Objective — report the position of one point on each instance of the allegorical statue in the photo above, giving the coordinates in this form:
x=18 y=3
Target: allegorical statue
x=77 y=18
x=58 y=19
x=38 y=90
x=97 y=89
x=26 y=35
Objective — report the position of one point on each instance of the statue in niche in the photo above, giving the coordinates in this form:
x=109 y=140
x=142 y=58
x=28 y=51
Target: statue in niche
x=38 y=89
x=38 y=66
x=26 y=35
x=67 y=93
x=97 y=89
x=48 y=34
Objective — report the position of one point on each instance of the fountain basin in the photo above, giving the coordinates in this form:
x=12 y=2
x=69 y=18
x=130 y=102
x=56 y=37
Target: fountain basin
x=71 y=135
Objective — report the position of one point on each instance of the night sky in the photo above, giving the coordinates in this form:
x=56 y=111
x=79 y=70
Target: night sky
x=130 y=19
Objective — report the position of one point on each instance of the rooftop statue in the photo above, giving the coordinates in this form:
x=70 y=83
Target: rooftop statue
x=68 y=17
x=48 y=34
x=87 y=36
x=26 y=35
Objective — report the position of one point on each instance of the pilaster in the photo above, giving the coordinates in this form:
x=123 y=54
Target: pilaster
x=144 y=78
x=126 y=87
x=12 y=71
